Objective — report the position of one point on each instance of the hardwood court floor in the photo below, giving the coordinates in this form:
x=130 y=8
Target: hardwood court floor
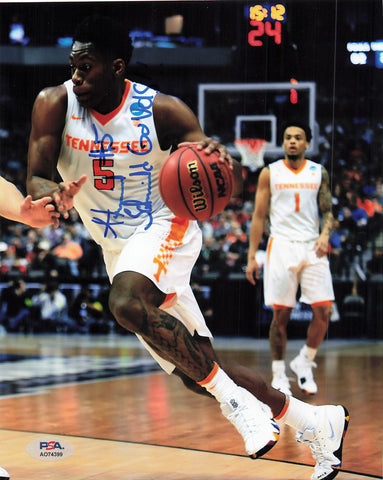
x=128 y=420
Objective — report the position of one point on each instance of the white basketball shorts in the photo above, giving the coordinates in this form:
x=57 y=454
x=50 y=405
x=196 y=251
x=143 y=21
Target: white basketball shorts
x=166 y=254
x=289 y=264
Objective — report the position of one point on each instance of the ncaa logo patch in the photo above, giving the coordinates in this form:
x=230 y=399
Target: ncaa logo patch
x=50 y=449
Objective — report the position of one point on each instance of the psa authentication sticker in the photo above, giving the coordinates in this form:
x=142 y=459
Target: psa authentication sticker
x=50 y=449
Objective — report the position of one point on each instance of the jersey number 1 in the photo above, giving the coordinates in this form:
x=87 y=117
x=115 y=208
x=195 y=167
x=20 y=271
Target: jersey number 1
x=297 y=202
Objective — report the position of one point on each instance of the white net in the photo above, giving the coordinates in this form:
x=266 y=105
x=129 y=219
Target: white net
x=252 y=151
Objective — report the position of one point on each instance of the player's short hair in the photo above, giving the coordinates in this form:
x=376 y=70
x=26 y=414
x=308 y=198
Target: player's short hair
x=301 y=125
x=110 y=38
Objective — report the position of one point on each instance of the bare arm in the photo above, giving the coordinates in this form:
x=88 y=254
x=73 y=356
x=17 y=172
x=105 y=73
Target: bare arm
x=19 y=209
x=324 y=205
x=262 y=202
x=48 y=119
x=176 y=124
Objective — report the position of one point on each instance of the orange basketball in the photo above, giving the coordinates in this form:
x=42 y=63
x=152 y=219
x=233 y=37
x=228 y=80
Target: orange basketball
x=195 y=185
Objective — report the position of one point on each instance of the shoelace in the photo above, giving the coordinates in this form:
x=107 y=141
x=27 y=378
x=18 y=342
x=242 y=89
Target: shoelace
x=246 y=424
x=308 y=436
x=318 y=453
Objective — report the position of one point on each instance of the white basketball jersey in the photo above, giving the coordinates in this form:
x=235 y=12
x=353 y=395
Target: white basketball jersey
x=121 y=155
x=294 y=206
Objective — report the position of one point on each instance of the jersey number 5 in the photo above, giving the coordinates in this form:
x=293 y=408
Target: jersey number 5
x=100 y=169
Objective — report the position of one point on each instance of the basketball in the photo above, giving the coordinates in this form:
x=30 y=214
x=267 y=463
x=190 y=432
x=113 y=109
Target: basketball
x=194 y=185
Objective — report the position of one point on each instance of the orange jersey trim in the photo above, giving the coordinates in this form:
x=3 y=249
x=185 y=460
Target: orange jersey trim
x=104 y=119
x=292 y=169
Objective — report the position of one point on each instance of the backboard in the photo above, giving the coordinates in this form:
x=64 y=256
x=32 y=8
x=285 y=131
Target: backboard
x=231 y=111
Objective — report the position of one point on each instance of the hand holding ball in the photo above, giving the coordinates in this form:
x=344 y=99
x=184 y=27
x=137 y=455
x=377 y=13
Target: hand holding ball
x=195 y=185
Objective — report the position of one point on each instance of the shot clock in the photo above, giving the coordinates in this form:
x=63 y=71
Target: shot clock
x=266 y=19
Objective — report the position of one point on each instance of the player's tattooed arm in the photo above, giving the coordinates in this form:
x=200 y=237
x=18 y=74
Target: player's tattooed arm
x=325 y=204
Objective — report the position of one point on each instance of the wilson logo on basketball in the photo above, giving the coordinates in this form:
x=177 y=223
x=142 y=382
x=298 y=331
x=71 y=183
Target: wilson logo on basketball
x=220 y=181
x=195 y=184
x=198 y=195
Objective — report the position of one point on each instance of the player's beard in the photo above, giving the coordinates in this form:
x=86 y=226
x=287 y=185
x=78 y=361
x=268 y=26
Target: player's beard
x=292 y=157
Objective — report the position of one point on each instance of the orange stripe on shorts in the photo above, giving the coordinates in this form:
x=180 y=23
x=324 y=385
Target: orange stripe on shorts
x=279 y=307
x=170 y=300
x=177 y=232
x=326 y=303
x=269 y=248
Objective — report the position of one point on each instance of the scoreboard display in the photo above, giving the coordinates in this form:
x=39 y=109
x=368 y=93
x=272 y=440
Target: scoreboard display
x=266 y=20
x=366 y=53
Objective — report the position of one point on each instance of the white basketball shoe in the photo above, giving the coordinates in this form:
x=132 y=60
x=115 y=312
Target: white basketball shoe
x=281 y=382
x=253 y=420
x=326 y=440
x=303 y=370
x=4 y=475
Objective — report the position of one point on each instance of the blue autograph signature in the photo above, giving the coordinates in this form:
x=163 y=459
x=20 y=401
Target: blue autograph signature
x=140 y=110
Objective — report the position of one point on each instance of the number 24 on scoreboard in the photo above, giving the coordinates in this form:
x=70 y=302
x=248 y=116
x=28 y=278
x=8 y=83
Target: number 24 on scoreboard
x=266 y=19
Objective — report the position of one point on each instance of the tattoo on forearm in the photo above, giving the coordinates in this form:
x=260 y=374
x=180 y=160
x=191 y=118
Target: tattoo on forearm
x=327 y=223
x=43 y=187
x=325 y=203
x=44 y=184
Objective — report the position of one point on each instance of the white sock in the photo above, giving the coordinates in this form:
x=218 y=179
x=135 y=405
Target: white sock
x=299 y=415
x=278 y=367
x=308 y=353
x=219 y=384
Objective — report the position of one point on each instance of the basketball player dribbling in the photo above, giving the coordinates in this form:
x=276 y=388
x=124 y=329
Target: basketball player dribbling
x=116 y=134
x=294 y=191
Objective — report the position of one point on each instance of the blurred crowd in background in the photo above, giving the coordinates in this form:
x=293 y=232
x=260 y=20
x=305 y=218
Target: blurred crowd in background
x=350 y=148
x=353 y=157
x=65 y=272
x=36 y=265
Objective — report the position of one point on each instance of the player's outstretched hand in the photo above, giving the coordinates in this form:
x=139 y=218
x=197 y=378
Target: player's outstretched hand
x=67 y=190
x=39 y=213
